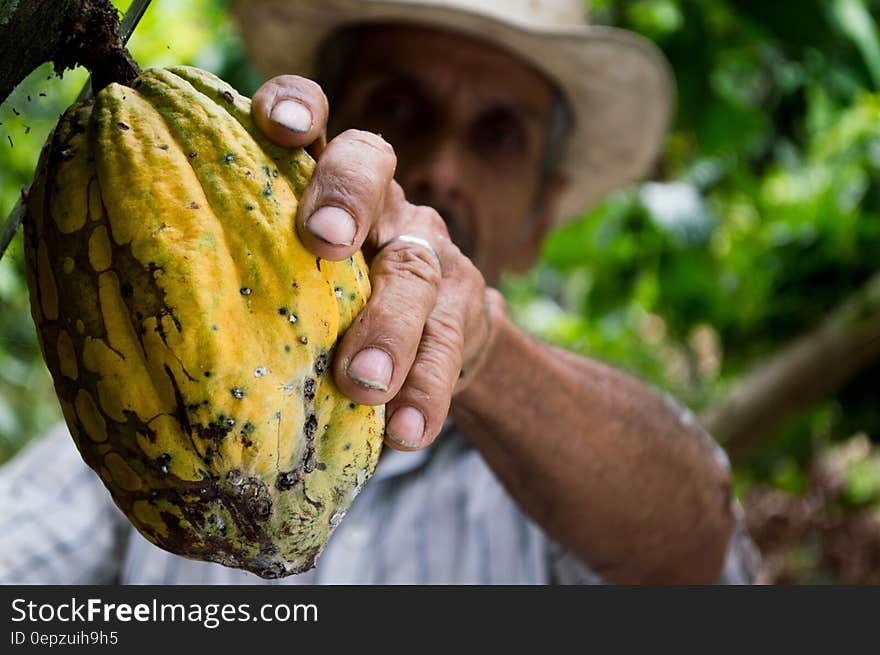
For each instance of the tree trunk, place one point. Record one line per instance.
(811, 368)
(66, 32)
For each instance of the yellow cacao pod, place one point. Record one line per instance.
(187, 329)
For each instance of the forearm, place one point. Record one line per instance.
(607, 466)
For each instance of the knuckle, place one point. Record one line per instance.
(444, 336)
(370, 140)
(389, 313)
(430, 219)
(401, 260)
(294, 84)
(352, 185)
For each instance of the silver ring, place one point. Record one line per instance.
(418, 241)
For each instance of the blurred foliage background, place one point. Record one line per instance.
(763, 216)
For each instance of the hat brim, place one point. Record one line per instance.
(618, 84)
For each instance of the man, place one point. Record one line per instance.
(509, 460)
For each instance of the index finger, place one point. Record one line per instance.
(291, 111)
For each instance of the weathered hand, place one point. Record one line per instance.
(427, 320)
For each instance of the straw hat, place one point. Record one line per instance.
(618, 84)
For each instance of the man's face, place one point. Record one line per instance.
(468, 123)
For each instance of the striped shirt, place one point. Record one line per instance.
(435, 516)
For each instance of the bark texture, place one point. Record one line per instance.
(66, 32)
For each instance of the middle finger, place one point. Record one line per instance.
(346, 194)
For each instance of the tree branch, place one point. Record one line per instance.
(809, 369)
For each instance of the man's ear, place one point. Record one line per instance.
(539, 223)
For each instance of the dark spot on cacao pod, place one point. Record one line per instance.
(193, 155)
(267, 191)
(237, 393)
(230, 422)
(245, 291)
(207, 374)
(228, 97)
(247, 428)
(256, 497)
(352, 297)
(192, 407)
(163, 146)
(122, 126)
(310, 427)
(321, 466)
(229, 158)
(318, 262)
(309, 389)
(214, 328)
(234, 477)
(282, 311)
(351, 405)
(193, 205)
(347, 447)
(273, 571)
(286, 480)
(275, 173)
(249, 207)
(287, 348)
(303, 339)
(321, 364)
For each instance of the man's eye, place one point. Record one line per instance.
(395, 108)
(500, 135)
(392, 110)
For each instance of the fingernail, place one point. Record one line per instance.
(371, 368)
(406, 427)
(333, 225)
(292, 115)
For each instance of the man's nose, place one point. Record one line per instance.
(434, 176)
(438, 179)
